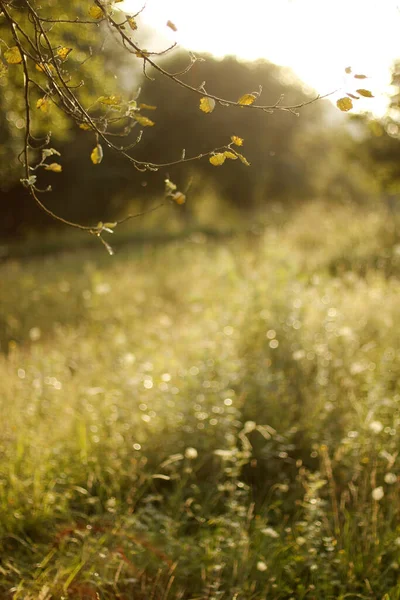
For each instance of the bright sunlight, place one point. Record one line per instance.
(317, 39)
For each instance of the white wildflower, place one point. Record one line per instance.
(390, 478)
(261, 566)
(375, 426)
(378, 493)
(191, 453)
(268, 531)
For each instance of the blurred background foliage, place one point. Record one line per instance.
(318, 155)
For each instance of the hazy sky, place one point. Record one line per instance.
(317, 38)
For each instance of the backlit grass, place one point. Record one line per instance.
(205, 419)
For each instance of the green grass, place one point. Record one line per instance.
(205, 419)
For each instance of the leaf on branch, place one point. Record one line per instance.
(54, 167)
(142, 53)
(178, 197)
(217, 159)
(64, 52)
(44, 105)
(97, 155)
(207, 105)
(143, 121)
(230, 155)
(147, 107)
(110, 100)
(13, 56)
(344, 104)
(85, 126)
(30, 181)
(243, 159)
(95, 12)
(358, 76)
(170, 187)
(238, 141)
(365, 93)
(3, 70)
(172, 25)
(132, 23)
(46, 152)
(45, 68)
(247, 99)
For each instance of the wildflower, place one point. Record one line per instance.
(301, 540)
(268, 531)
(261, 566)
(375, 426)
(390, 478)
(378, 493)
(191, 453)
(35, 334)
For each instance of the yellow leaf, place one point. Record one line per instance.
(132, 23)
(344, 104)
(172, 26)
(144, 121)
(358, 76)
(13, 56)
(217, 159)
(63, 52)
(43, 104)
(238, 141)
(110, 100)
(247, 99)
(142, 53)
(147, 107)
(85, 126)
(179, 198)
(95, 12)
(365, 93)
(243, 159)
(230, 155)
(207, 105)
(46, 68)
(55, 167)
(3, 70)
(348, 70)
(97, 155)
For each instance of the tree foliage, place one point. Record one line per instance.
(52, 59)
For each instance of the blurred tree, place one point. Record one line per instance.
(53, 68)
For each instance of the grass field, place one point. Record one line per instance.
(205, 419)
